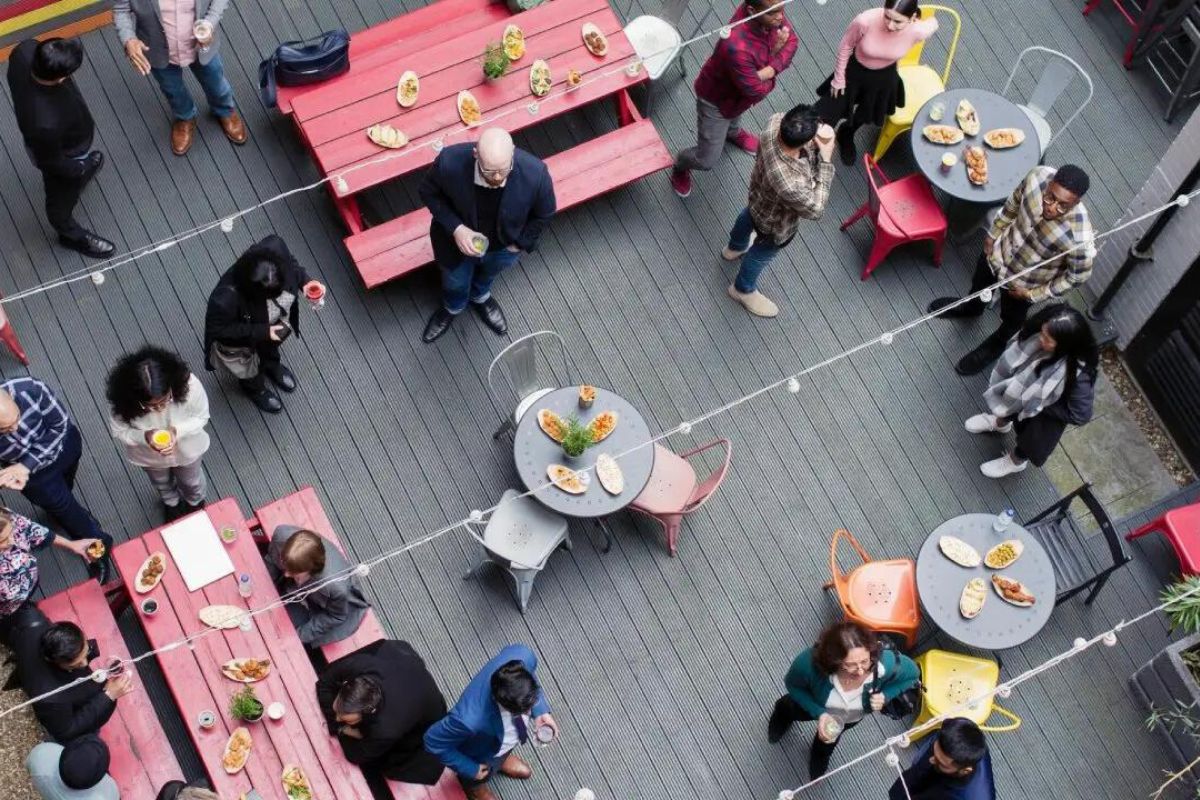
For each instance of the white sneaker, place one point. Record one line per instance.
(1002, 466)
(986, 423)
(755, 302)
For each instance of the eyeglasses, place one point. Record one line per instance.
(1050, 199)
(495, 174)
(158, 404)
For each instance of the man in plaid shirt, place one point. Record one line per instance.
(790, 181)
(40, 450)
(740, 72)
(1041, 220)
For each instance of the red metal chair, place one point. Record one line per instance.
(672, 491)
(902, 211)
(10, 338)
(1182, 529)
(1132, 15)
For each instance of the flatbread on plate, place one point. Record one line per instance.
(226, 617)
(407, 89)
(608, 471)
(237, 751)
(959, 551)
(973, 596)
(566, 479)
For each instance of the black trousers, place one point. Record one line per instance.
(268, 353)
(820, 752)
(1013, 310)
(62, 195)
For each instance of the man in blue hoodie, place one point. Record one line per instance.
(955, 765)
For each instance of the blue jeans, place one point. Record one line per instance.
(472, 278)
(758, 256)
(51, 489)
(212, 80)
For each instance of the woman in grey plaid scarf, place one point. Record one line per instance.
(1044, 380)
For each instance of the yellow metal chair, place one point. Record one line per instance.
(921, 82)
(952, 679)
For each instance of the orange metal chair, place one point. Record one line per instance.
(879, 595)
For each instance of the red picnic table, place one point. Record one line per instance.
(195, 680)
(333, 117)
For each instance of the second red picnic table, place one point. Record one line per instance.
(193, 671)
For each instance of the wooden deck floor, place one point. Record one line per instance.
(662, 671)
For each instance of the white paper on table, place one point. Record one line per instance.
(197, 551)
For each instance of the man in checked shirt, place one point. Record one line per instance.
(40, 450)
(740, 72)
(1043, 221)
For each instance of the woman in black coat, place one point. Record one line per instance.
(253, 309)
(1044, 380)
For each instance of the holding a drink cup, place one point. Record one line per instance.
(203, 32)
(314, 291)
(846, 675)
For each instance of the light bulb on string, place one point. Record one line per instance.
(532, 108)
(98, 278)
(887, 338)
(1183, 200)
(1003, 692)
(227, 225)
(585, 794)
(362, 570)
(793, 385)
(1080, 643)
(1109, 639)
(685, 428)
(986, 295)
(726, 32)
(904, 740)
(100, 675)
(633, 69)
(787, 794)
(475, 516)
(436, 145)
(891, 759)
(341, 184)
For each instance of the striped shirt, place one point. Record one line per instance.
(1024, 238)
(38, 438)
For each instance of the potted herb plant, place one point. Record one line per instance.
(576, 438)
(245, 705)
(1169, 684)
(495, 61)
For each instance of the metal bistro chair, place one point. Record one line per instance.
(1057, 75)
(1181, 526)
(673, 491)
(1076, 564)
(658, 41)
(951, 680)
(879, 595)
(520, 537)
(519, 365)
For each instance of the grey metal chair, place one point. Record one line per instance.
(522, 369)
(520, 537)
(1057, 76)
(1077, 563)
(658, 39)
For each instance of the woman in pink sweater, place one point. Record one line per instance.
(865, 86)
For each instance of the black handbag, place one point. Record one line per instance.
(303, 62)
(905, 704)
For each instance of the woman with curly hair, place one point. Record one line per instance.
(846, 675)
(158, 411)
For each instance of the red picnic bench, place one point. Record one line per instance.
(303, 508)
(333, 117)
(405, 34)
(141, 757)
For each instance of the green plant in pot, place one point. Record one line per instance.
(576, 438)
(495, 61)
(1182, 601)
(245, 705)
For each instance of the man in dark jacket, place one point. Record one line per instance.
(490, 203)
(955, 765)
(379, 701)
(253, 308)
(58, 130)
(49, 657)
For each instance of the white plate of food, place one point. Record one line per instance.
(151, 572)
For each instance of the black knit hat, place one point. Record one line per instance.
(84, 762)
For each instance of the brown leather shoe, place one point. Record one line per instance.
(480, 792)
(234, 127)
(181, 135)
(514, 767)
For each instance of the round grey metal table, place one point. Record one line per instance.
(534, 451)
(1000, 625)
(1006, 168)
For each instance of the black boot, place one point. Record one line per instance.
(982, 357)
(971, 308)
(438, 324)
(845, 140)
(263, 396)
(782, 717)
(280, 375)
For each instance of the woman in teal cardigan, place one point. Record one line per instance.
(838, 681)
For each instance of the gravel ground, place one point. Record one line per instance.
(19, 733)
(1114, 367)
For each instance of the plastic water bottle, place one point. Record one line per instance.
(1003, 520)
(244, 587)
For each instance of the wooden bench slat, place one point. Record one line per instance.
(385, 41)
(141, 756)
(387, 251)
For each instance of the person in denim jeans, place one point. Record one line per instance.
(161, 37)
(490, 203)
(790, 181)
